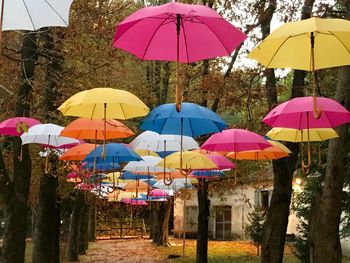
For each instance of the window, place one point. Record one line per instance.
(262, 198)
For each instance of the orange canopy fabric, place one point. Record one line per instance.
(84, 128)
(139, 185)
(78, 153)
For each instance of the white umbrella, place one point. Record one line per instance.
(175, 185)
(149, 165)
(47, 134)
(34, 14)
(156, 142)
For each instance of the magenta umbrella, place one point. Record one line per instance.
(177, 32)
(222, 162)
(235, 140)
(158, 193)
(16, 126)
(297, 113)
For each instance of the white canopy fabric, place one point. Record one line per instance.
(47, 134)
(176, 184)
(35, 14)
(149, 164)
(153, 141)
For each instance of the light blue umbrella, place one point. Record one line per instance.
(102, 166)
(133, 176)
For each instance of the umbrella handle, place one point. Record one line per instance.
(319, 154)
(306, 167)
(104, 131)
(20, 157)
(167, 181)
(46, 164)
(110, 189)
(178, 98)
(317, 112)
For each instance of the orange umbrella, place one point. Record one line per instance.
(276, 151)
(77, 153)
(84, 128)
(136, 186)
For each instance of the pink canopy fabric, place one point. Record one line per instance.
(222, 162)
(235, 140)
(158, 193)
(134, 202)
(9, 127)
(151, 33)
(298, 114)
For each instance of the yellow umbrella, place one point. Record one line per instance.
(295, 135)
(190, 161)
(104, 103)
(146, 153)
(309, 44)
(276, 151)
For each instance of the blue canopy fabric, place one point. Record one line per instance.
(115, 153)
(133, 176)
(102, 166)
(197, 120)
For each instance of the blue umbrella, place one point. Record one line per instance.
(207, 173)
(115, 153)
(132, 176)
(195, 120)
(102, 166)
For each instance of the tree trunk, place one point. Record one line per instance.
(164, 233)
(326, 207)
(92, 220)
(73, 251)
(45, 230)
(154, 222)
(83, 227)
(161, 212)
(276, 223)
(203, 221)
(17, 189)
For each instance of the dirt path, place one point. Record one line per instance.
(126, 251)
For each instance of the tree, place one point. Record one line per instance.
(326, 208)
(254, 227)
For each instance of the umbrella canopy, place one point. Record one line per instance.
(115, 153)
(150, 140)
(16, 126)
(77, 153)
(148, 165)
(190, 161)
(152, 33)
(134, 176)
(221, 161)
(146, 153)
(295, 135)
(101, 166)
(35, 14)
(84, 128)
(139, 185)
(175, 185)
(297, 113)
(101, 103)
(236, 140)
(275, 151)
(47, 134)
(158, 193)
(194, 119)
(290, 45)
(206, 174)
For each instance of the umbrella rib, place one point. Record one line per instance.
(30, 17)
(280, 46)
(228, 53)
(341, 42)
(93, 111)
(53, 9)
(154, 33)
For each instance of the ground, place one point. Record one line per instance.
(143, 251)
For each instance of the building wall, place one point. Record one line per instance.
(241, 200)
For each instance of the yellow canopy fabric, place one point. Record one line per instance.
(294, 135)
(146, 153)
(190, 161)
(289, 46)
(276, 151)
(117, 196)
(119, 104)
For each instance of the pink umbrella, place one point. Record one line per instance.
(235, 140)
(158, 193)
(16, 126)
(222, 162)
(177, 32)
(138, 202)
(298, 114)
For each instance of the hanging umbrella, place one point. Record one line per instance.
(138, 186)
(176, 184)
(148, 165)
(309, 44)
(235, 140)
(153, 141)
(295, 135)
(115, 153)
(106, 103)
(46, 134)
(16, 126)
(176, 32)
(158, 193)
(101, 166)
(297, 114)
(78, 152)
(275, 151)
(145, 152)
(134, 176)
(206, 174)
(193, 120)
(84, 128)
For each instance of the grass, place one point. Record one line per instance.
(219, 252)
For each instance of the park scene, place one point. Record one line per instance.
(184, 131)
